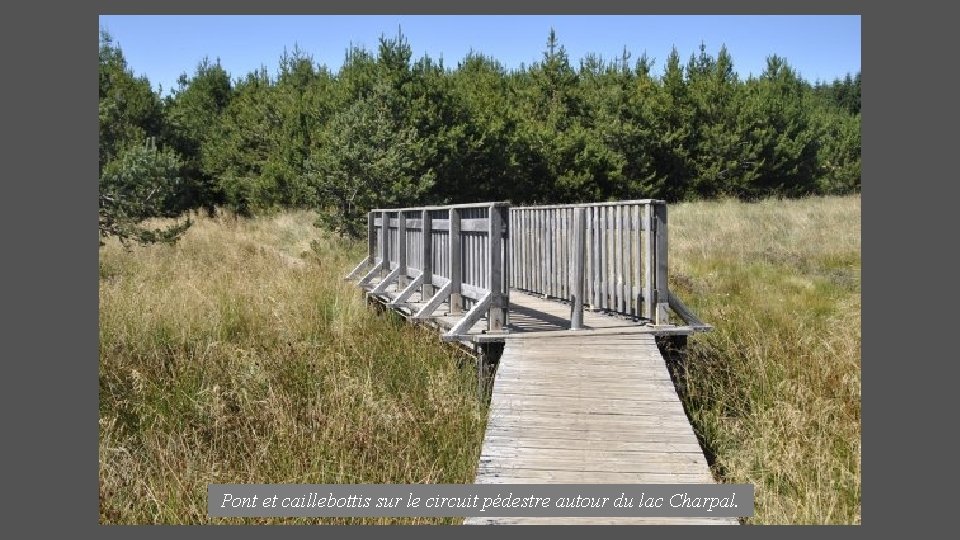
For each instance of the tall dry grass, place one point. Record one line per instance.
(240, 355)
(774, 390)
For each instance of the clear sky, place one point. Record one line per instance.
(821, 47)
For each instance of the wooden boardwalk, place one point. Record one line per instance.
(588, 409)
(531, 315)
(581, 394)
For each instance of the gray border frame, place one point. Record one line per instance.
(52, 340)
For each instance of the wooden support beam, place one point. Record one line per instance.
(437, 299)
(402, 249)
(371, 239)
(427, 254)
(356, 271)
(382, 286)
(662, 312)
(688, 317)
(577, 285)
(460, 330)
(456, 262)
(409, 290)
(497, 316)
(649, 260)
(385, 240)
(369, 276)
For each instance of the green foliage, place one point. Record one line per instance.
(128, 108)
(387, 129)
(139, 184)
(192, 117)
(367, 160)
(137, 181)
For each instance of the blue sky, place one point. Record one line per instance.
(821, 47)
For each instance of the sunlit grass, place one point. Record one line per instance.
(240, 355)
(775, 389)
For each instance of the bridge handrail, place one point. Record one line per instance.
(610, 256)
(446, 254)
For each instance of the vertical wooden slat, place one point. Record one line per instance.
(662, 295)
(595, 269)
(541, 254)
(506, 263)
(518, 232)
(385, 246)
(496, 315)
(371, 238)
(548, 253)
(624, 260)
(562, 246)
(648, 261)
(426, 230)
(455, 257)
(577, 283)
(637, 262)
(567, 249)
(612, 262)
(604, 257)
(588, 247)
(402, 249)
(620, 258)
(525, 232)
(557, 252)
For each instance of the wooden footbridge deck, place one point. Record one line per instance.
(576, 296)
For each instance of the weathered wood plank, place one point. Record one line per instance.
(455, 260)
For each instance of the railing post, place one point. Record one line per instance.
(371, 238)
(497, 312)
(662, 296)
(456, 260)
(402, 249)
(649, 262)
(576, 277)
(426, 228)
(385, 244)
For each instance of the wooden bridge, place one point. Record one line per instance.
(566, 304)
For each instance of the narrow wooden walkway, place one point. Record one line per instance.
(588, 409)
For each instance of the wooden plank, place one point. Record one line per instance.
(391, 277)
(434, 302)
(661, 315)
(474, 225)
(494, 441)
(577, 277)
(407, 292)
(550, 245)
(371, 238)
(385, 241)
(648, 263)
(685, 313)
(497, 312)
(455, 261)
(586, 460)
(468, 320)
(637, 242)
(402, 244)
(426, 222)
(620, 256)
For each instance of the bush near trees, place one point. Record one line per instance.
(391, 130)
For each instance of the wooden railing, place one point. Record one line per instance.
(610, 257)
(450, 255)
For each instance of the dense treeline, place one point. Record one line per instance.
(388, 130)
